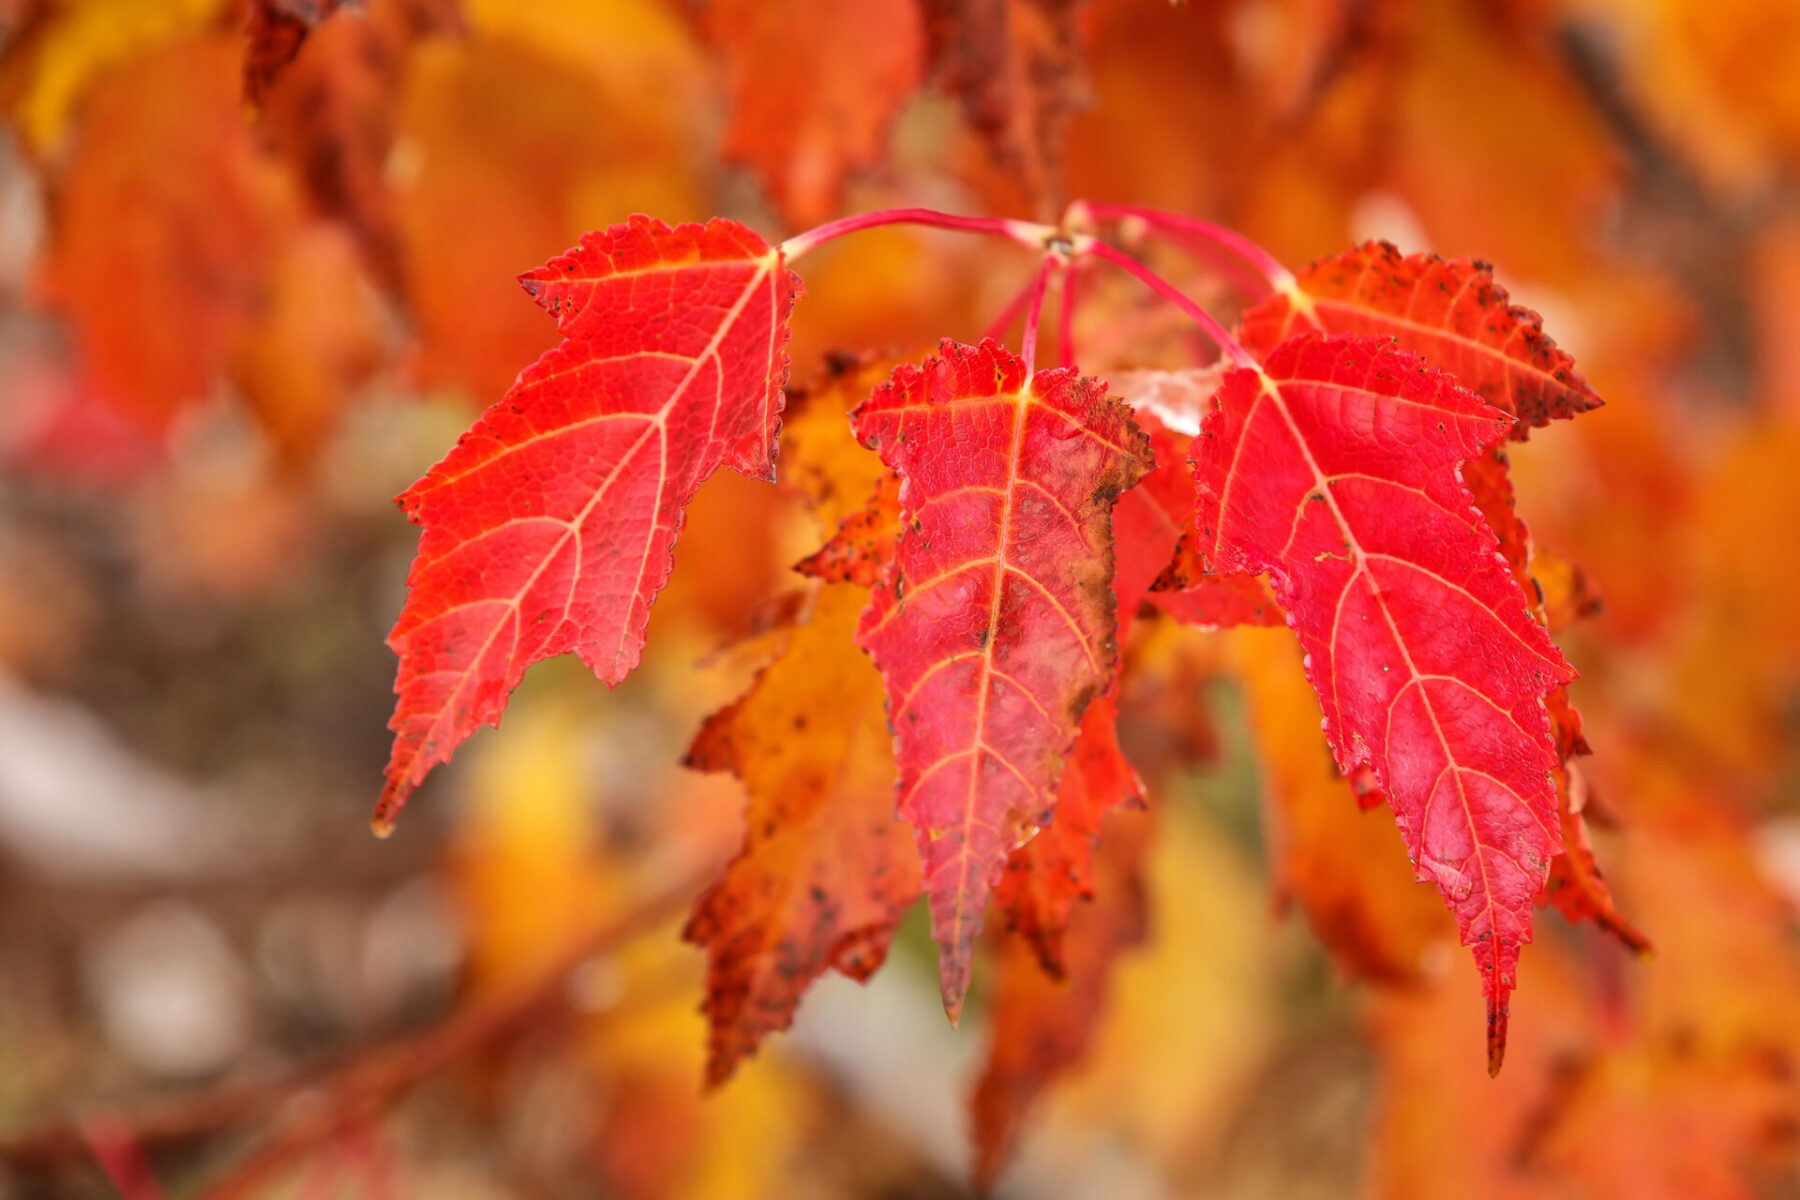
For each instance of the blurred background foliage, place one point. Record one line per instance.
(232, 327)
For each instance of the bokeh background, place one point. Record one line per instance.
(234, 323)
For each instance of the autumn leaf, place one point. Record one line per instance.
(853, 497)
(1453, 313)
(531, 127)
(57, 54)
(826, 871)
(191, 250)
(549, 527)
(1015, 67)
(315, 339)
(993, 626)
(820, 456)
(331, 115)
(1425, 656)
(863, 543)
(1152, 517)
(1153, 526)
(862, 61)
(1047, 875)
(1576, 886)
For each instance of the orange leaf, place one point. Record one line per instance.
(1014, 65)
(331, 115)
(275, 31)
(1575, 885)
(509, 149)
(826, 871)
(855, 499)
(316, 338)
(813, 89)
(189, 252)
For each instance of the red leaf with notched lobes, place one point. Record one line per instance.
(1334, 470)
(1454, 314)
(1449, 310)
(549, 527)
(994, 624)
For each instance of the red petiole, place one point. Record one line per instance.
(1060, 253)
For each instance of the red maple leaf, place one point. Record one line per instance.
(1453, 313)
(1335, 470)
(550, 525)
(994, 624)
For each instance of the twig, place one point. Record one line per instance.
(317, 1105)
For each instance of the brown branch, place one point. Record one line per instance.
(314, 1106)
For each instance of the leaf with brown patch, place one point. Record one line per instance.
(826, 871)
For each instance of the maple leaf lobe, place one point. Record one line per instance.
(1451, 310)
(994, 625)
(550, 525)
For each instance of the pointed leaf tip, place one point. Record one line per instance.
(1496, 1039)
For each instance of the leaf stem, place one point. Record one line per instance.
(1026, 233)
(353, 1092)
(1034, 313)
(1065, 325)
(1229, 346)
(1265, 264)
(1003, 321)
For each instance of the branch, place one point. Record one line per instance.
(317, 1105)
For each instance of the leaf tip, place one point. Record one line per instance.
(953, 983)
(1496, 1039)
(387, 808)
(721, 1065)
